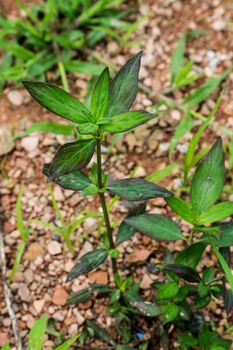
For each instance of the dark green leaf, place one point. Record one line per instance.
(123, 327)
(201, 302)
(168, 290)
(100, 333)
(80, 296)
(87, 263)
(170, 312)
(126, 231)
(181, 208)
(146, 308)
(123, 87)
(59, 102)
(228, 299)
(137, 189)
(125, 121)
(227, 234)
(156, 226)
(71, 157)
(208, 274)
(208, 180)
(100, 95)
(216, 213)
(75, 181)
(202, 93)
(191, 255)
(185, 272)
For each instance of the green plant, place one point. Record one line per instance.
(65, 229)
(36, 335)
(109, 112)
(54, 36)
(24, 233)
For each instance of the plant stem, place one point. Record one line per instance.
(104, 207)
(63, 76)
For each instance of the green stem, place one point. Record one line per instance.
(63, 76)
(104, 207)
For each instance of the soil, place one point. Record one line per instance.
(39, 285)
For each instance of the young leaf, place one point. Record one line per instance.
(208, 180)
(168, 290)
(159, 175)
(181, 208)
(126, 231)
(184, 126)
(123, 87)
(71, 157)
(178, 60)
(75, 181)
(87, 128)
(137, 189)
(87, 263)
(170, 312)
(191, 255)
(185, 272)
(100, 95)
(216, 213)
(226, 239)
(156, 226)
(202, 93)
(67, 344)
(59, 102)
(36, 335)
(147, 309)
(101, 333)
(126, 121)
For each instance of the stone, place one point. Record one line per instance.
(140, 172)
(163, 149)
(57, 192)
(60, 296)
(99, 277)
(3, 338)
(219, 25)
(73, 329)
(54, 248)
(6, 140)
(15, 97)
(30, 143)
(24, 293)
(139, 255)
(87, 247)
(33, 251)
(38, 305)
(80, 319)
(28, 276)
(90, 224)
(146, 282)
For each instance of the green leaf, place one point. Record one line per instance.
(100, 95)
(126, 231)
(80, 296)
(87, 263)
(75, 181)
(202, 93)
(191, 255)
(6, 346)
(181, 208)
(208, 275)
(66, 345)
(178, 59)
(226, 234)
(168, 290)
(218, 212)
(36, 335)
(196, 137)
(184, 126)
(170, 312)
(19, 217)
(71, 157)
(101, 333)
(87, 128)
(123, 87)
(59, 102)
(125, 121)
(156, 226)
(19, 254)
(146, 308)
(208, 180)
(159, 175)
(48, 127)
(137, 189)
(185, 272)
